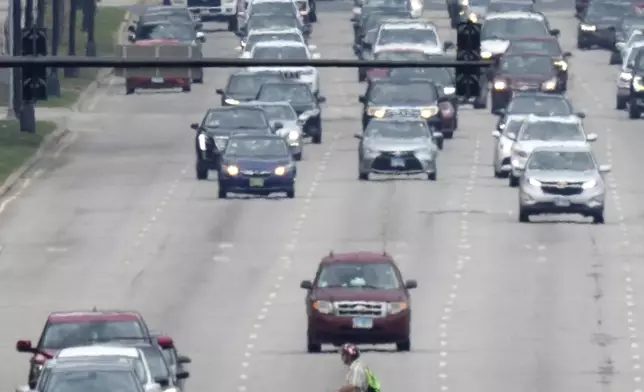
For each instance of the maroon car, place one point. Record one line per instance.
(358, 298)
(521, 73)
(147, 82)
(80, 328)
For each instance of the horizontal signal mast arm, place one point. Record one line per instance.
(117, 62)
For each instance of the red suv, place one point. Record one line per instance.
(358, 298)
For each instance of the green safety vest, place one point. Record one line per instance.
(372, 382)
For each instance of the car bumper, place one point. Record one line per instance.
(339, 329)
(503, 164)
(244, 184)
(637, 99)
(383, 165)
(153, 83)
(536, 201)
(602, 38)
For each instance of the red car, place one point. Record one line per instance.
(80, 328)
(358, 298)
(149, 82)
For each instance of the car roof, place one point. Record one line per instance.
(525, 54)
(157, 8)
(231, 108)
(357, 257)
(571, 119)
(408, 24)
(266, 103)
(98, 315)
(420, 48)
(98, 351)
(539, 94)
(397, 119)
(515, 15)
(270, 1)
(402, 81)
(273, 30)
(279, 44)
(284, 82)
(544, 38)
(98, 365)
(256, 136)
(577, 147)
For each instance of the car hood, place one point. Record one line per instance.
(257, 164)
(288, 126)
(494, 46)
(354, 294)
(391, 144)
(226, 132)
(530, 145)
(562, 176)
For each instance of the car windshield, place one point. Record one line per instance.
(608, 12)
(399, 55)
(166, 31)
(397, 130)
(271, 22)
(77, 380)
(512, 126)
(407, 36)
(561, 160)
(280, 53)
(273, 7)
(280, 112)
(401, 94)
(504, 29)
(156, 362)
(359, 276)
(238, 118)
(632, 55)
(546, 106)
(550, 130)
(249, 84)
(440, 76)
(548, 47)
(62, 335)
(293, 93)
(137, 364)
(267, 148)
(385, 3)
(255, 38)
(179, 16)
(509, 7)
(526, 65)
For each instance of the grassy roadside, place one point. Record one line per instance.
(108, 20)
(16, 147)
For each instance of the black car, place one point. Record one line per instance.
(545, 46)
(403, 98)
(243, 86)
(305, 103)
(218, 125)
(273, 21)
(542, 104)
(636, 96)
(500, 6)
(597, 25)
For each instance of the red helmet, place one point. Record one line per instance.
(350, 350)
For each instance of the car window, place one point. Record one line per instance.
(550, 130)
(561, 160)
(63, 335)
(404, 93)
(92, 380)
(157, 364)
(359, 276)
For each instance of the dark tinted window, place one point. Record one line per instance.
(271, 22)
(553, 106)
(504, 29)
(403, 93)
(63, 335)
(264, 147)
(166, 31)
(240, 118)
(608, 12)
(397, 129)
(249, 84)
(293, 93)
(156, 362)
(276, 8)
(549, 47)
(364, 276)
(526, 65)
(441, 76)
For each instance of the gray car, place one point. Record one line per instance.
(291, 131)
(563, 180)
(398, 146)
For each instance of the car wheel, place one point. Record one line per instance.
(480, 102)
(598, 218)
(448, 134)
(317, 136)
(290, 193)
(129, 90)
(198, 81)
(581, 45)
(404, 345)
(202, 172)
(186, 89)
(524, 217)
(313, 347)
(313, 16)
(497, 173)
(361, 76)
(620, 103)
(513, 180)
(233, 23)
(439, 143)
(432, 176)
(363, 176)
(223, 192)
(298, 156)
(633, 111)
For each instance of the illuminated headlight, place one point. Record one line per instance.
(589, 184)
(626, 76)
(324, 307)
(465, 3)
(379, 113)
(396, 307)
(638, 84)
(534, 182)
(585, 27)
(500, 85)
(486, 55)
(231, 101)
(550, 85)
(202, 140)
(280, 170)
(232, 170)
(293, 136)
(429, 112)
(473, 18)
(449, 90)
(562, 65)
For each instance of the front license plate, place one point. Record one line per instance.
(397, 162)
(362, 323)
(256, 182)
(157, 80)
(562, 202)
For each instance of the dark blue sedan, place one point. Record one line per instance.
(257, 165)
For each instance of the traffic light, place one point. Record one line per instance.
(34, 78)
(468, 48)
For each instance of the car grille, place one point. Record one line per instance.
(525, 86)
(360, 308)
(403, 112)
(383, 162)
(256, 173)
(562, 188)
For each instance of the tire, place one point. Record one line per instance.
(513, 181)
(633, 111)
(201, 172)
(620, 103)
(582, 45)
(313, 16)
(439, 143)
(317, 137)
(448, 134)
(524, 217)
(233, 24)
(598, 218)
(186, 89)
(198, 81)
(129, 90)
(480, 102)
(361, 76)
(313, 347)
(432, 176)
(363, 176)
(614, 59)
(223, 192)
(298, 156)
(497, 173)
(404, 345)
(290, 193)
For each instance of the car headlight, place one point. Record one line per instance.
(534, 182)
(379, 113)
(585, 27)
(626, 76)
(202, 140)
(562, 65)
(486, 55)
(519, 153)
(371, 151)
(473, 18)
(325, 307)
(638, 84)
(293, 136)
(396, 307)
(449, 90)
(231, 101)
(429, 112)
(280, 170)
(423, 152)
(232, 170)
(589, 184)
(550, 85)
(465, 3)
(500, 85)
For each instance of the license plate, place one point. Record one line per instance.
(157, 80)
(256, 182)
(362, 323)
(397, 162)
(562, 202)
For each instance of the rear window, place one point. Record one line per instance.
(62, 335)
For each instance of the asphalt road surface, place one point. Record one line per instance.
(117, 219)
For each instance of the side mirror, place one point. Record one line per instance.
(24, 346)
(567, 54)
(24, 388)
(357, 49)
(278, 125)
(163, 382)
(358, 136)
(165, 342)
(520, 166)
(184, 359)
(220, 91)
(131, 29)
(591, 137)
(362, 99)
(411, 284)
(605, 168)
(438, 135)
(555, 32)
(511, 135)
(448, 45)
(367, 45)
(182, 375)
(496, 134)
(581, 114)
(195, 126)
(443, 99)
(306, 285)
(321, 99)
(131, 38)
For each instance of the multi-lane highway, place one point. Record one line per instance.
(117, 219)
